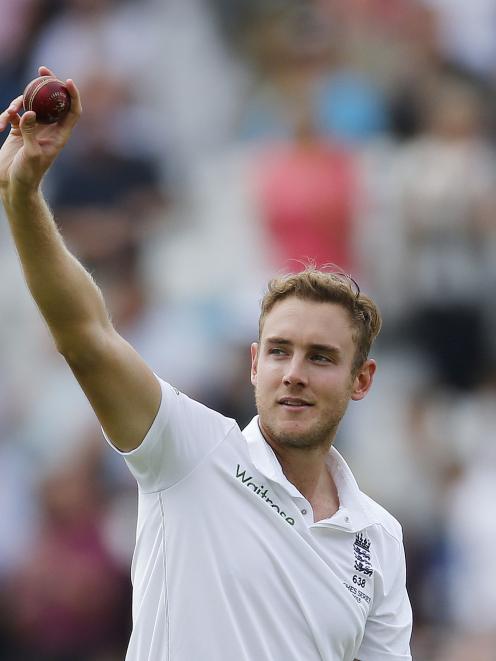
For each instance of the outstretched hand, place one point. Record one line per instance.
(31, 148)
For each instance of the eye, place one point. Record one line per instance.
(276, 351)
(320, 358)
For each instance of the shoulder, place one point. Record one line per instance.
(189, 410)
(383, 520)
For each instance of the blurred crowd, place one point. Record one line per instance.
(223, 141)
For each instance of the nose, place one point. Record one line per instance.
(295, 374)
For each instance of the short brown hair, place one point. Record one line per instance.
(326, 286)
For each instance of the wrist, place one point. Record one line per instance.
(20, 194)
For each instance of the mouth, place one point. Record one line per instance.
(294, 403)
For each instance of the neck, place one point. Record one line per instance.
(306, 468)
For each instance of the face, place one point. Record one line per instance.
(302, 373)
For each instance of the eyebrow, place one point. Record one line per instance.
(325, 348)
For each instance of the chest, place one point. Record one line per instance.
(261, 539)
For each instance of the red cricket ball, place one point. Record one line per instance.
(48, 97)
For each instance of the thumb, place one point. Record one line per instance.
(27, 126)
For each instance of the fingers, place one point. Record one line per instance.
(72, 117)
(14, 119)
(4, 119)
(27, 126)
(11, 115)
(45, 71)
(16, 104)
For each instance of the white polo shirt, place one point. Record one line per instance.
(230, 566)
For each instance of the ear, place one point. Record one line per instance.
(254, 362)
(363, 380)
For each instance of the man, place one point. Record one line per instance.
(250, 547)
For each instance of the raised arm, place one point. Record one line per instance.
(121, 388)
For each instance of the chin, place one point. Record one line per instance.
(292, 434)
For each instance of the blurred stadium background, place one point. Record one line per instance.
(222, 139)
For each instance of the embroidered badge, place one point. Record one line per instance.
(361, 547)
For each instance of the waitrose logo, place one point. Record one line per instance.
(261, 491)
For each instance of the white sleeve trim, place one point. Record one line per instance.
(382, 656)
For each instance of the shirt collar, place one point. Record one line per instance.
(350, 496)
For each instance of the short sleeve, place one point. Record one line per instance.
(389, 624)
(182, 434)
